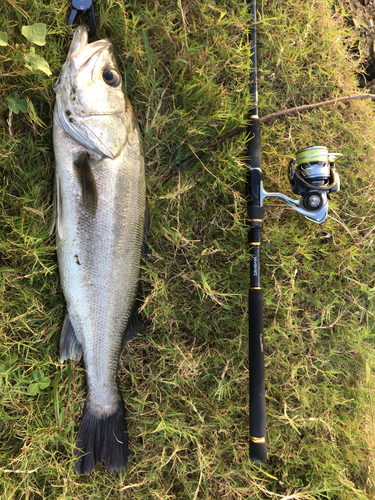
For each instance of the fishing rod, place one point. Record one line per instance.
(313, 177)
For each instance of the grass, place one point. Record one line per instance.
(185, 378)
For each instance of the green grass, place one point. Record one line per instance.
(185, 378)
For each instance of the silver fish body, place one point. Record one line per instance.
(100, 198)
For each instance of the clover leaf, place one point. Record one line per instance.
(40, 382)
(16, 104)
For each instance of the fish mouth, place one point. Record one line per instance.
(80, 38)
(81, 51)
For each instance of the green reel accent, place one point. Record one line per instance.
(315, 154)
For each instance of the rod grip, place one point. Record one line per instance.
(258, 445)
(254, 148)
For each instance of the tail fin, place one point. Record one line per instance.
(102, 437)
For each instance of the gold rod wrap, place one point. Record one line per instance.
(258, 440)
(255, 287)
(254, 220)
(256, 244)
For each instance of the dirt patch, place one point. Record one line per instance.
(361, 15)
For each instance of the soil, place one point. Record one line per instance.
(361, 15)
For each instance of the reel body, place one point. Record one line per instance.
(313, 177)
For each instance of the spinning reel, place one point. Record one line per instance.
(313, 177)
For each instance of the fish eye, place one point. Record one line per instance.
(111, 77)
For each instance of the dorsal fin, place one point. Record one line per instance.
(135, 322)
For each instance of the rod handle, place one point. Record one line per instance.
(254, 147)
(258, 444)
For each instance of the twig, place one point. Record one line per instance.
(316, 105)
(20, 8)
(20, 471)
(239, 130)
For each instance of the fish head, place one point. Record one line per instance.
(91, 105)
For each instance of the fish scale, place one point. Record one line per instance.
(100, 218)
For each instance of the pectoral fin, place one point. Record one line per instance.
(87, 183)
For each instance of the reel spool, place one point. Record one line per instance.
(313, 177)
(312, 173)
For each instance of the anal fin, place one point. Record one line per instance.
(70, 347)
(135, 323)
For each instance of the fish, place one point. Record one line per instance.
(99, 219)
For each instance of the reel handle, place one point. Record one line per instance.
(258, 445)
